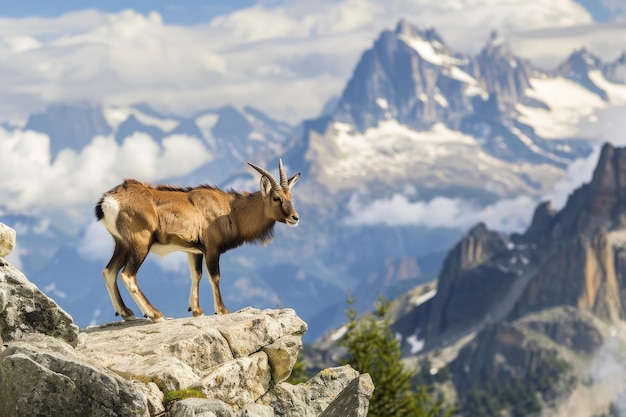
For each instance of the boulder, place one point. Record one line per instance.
(199, 407)
(7, 240)
(312, 397)
(44, 376)
(353, 401)
(282, 356)
(240, 381)
(25, 309)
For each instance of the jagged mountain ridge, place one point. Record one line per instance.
(411, 95)
(564, 258)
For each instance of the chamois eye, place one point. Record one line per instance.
(277, 199)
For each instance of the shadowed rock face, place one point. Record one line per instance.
(238, 361)
(470, 284)
(510, 351)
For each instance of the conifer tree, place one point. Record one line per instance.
(373, 348)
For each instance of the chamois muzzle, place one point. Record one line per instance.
(292, 220)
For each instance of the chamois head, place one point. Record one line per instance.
(277, 195)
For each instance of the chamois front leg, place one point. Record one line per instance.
(195, 266)
(213, 268)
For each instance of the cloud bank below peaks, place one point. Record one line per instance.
(507, 215)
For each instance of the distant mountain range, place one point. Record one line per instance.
(417, 125)
(528, 323)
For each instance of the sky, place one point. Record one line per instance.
(286, 58)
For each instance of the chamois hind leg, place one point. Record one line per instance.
(213, 268)
(195, 267)
(136, 257)
(118, 260)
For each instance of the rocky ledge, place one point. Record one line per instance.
(238, 363)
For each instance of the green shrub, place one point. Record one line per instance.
(373, 349)
(177, 395)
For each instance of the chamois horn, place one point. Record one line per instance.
(283, 174)
(267, 175)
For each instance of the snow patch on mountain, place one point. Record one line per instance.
(395, 155)
(391, 146)
(117, 115)
(568, 103)
(616, 92)
(428, 52)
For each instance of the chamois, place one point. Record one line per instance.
(202, 221)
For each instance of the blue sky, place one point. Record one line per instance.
(175, 12)
(195, 12)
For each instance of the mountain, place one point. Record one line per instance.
(510, 307)
(415, 112)
(69, 125)
(231, 135)
(421, 139)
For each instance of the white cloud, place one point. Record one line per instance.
(32, 182)
(96, 244)
(286, 58)
(509, 215)
(578, 173)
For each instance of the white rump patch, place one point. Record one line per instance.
(111, 209)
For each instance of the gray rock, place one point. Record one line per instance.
(200, 407)
(25, 309)
(248, 330)
(240, 381)
(42, 376)
(192, 341)
(7, 240)
(282, 356)
(354, 400)
(312, 397)
(255, 410)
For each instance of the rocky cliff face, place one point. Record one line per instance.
(501, 73)
(522, 303)
(599, 204)
(238, 362)
(565, 258)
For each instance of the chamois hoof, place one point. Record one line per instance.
(130, 318)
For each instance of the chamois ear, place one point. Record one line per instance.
(293, 180)
(266, 186)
